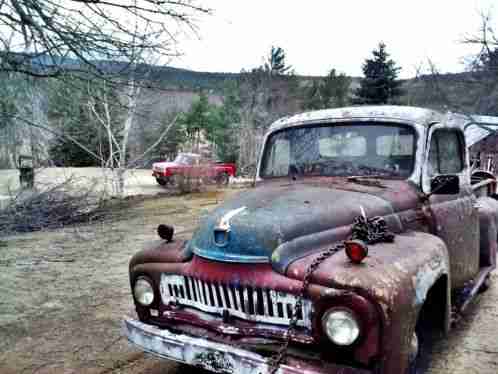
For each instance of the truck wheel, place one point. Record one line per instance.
(421, 348)
(419, 362)
(222, 179)
(161, 181)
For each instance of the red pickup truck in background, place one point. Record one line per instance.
(192, 165)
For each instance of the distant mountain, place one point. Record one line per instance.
(442, 91)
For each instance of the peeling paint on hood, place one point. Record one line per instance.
(268, 217)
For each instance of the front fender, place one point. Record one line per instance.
(395, 276)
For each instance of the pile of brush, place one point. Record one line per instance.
(51, 208)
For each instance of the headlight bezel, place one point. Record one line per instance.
(150, 284)
(354, 317)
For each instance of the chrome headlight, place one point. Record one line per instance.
(341, 326)
(143, 291)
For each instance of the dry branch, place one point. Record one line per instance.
(52, 208)
(44, 38)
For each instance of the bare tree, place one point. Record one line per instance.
(112, 40)
(484, 65)
(44, 38)
(118, 160)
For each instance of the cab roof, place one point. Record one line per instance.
(396, 113)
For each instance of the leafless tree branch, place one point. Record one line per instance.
(43, 38)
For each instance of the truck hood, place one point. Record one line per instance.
(269, 222)
(163, 165)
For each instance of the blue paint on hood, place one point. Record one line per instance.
(262, 219)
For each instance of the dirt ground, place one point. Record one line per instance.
(64, 293)
(137, 181)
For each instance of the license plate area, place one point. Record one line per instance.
(216, 361)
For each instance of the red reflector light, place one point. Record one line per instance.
(356, 250)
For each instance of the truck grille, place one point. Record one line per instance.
(248, 303)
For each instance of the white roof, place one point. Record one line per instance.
(476, 127)
(393, 112)
(479, 128)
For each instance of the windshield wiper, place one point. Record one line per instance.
(367, 180)
(293, 171)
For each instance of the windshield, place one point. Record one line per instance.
(357, 149)
(184, 159)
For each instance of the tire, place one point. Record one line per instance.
(222, 179)
(161, 182)
(414, 361)
(425, 335)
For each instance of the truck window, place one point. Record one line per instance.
(395, 145)
(348, 144)
(279, 159)
(445, 154)
(355, 148)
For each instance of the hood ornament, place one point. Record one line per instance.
(222, 230)
(364, 215)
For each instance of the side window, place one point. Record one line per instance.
(279, 158)
(445, 154)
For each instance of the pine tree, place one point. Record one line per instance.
(331, 91)
(276, 64)
(196, 120)
(225, 132)
(313, 97)
(380, 84)
(335, 91)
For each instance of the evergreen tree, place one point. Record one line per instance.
(196, 120)
(336, 90)
(380, 84)
(313, 96)
(225, 130)
(275, 63)
(169, 147)
(331, 91)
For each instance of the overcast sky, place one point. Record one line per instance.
(318, 35)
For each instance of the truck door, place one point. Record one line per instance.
(455, 217)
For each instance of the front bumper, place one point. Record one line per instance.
(217, 357)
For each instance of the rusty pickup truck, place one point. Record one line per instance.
(366, 227)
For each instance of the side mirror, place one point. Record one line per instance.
(445, 185)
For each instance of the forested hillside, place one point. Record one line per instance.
(44, 118)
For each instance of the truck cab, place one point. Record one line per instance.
(276, 266)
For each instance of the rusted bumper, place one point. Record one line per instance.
(217, 357)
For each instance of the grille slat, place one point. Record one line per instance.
(284, 308)
(273, 298)
(233, 297)
(248, 303)
(264, 294)
(201, 291)
(194, 290)
(216, 301)
(244, 300)
(221, 291)
(189, 290)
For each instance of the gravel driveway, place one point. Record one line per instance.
(64, 292)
